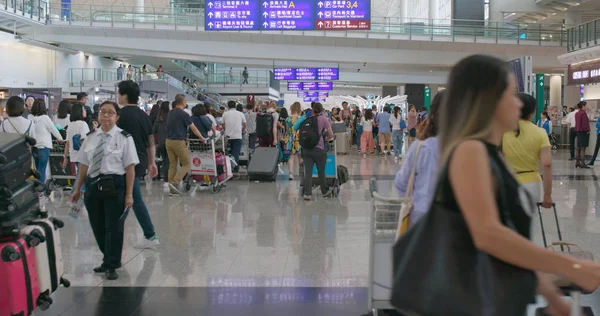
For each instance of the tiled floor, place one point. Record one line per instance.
(259, 249)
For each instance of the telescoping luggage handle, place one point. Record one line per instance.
(539, 206)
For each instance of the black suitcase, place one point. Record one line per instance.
(19, 206)
(15, 160)
(263, 166)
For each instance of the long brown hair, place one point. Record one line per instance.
(475, 86)
(429, 127)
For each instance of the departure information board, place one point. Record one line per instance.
(310, 86)
(252, 15)
(306, 73)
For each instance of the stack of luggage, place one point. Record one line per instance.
(31, 266)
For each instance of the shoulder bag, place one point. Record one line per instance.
(438, 270)
(407, 204)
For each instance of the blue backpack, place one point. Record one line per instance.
(77, 141)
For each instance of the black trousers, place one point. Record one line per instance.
(595, 151)
(310, 157)
(104, 217)
(164, 167)
(572, 137)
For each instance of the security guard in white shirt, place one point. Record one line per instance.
(107, 159)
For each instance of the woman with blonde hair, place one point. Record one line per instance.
(478, 225)
(293, 145)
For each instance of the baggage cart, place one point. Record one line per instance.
(331, 170)
(382, 237)
(209, 164)
(60, 177)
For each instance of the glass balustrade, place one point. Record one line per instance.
(583, 36)
(422, 29)
(33, 9)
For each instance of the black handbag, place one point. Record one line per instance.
(438, 270)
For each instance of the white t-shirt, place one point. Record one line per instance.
(188, 111)
(367, 125)
(571, 118)
(64, 122)
(18, 125)
(44, 129)
(233, 120)
(395, 122)
(212, 119)
(77, 127)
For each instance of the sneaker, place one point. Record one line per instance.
(329, 193)
(147, 243)
(111, 274)
(307, 198)
(364, 155)
(174, 190)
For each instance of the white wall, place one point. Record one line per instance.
(30, 66)
(592, 92)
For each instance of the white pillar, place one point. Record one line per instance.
(572, 96)
(572, 18)
(139, 6)
(555, 90)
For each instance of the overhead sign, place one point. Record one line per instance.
(315, 99)
(584, 73)
(308, 94)
(306, 73)
(344, 15)
(249, 15)
(310, 86)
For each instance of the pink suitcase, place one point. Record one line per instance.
(18, 276)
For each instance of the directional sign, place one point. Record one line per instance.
(288, 14)
(294, 86)
(306, 73)
(310, 86)
(343, 15)
(233, 15)
(325, 85)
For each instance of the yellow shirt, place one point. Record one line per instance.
(522, 153)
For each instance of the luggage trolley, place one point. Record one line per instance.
(209, 164)
(382, 237)
(331, 170)
(60, 177)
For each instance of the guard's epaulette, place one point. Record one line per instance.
(91, 132)
(125, 133)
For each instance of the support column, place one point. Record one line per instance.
(414, 92)
(555, 91)
(572, 95)
(139, 6)
(572, 18)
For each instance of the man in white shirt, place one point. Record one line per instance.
(572, 135)
(234, 124)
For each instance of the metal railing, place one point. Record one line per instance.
(415, 28)
(77, 75)
(583, 36)
(33, 9)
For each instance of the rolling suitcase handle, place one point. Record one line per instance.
(539, 206)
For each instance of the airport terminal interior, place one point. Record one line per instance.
(259, 246)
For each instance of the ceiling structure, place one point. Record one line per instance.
(554, 12)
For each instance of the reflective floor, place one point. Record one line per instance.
(259, 249)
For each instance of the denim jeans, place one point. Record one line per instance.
(358, 135)
(236, 148)
(141, 211)
(42, 162)
(397, 138)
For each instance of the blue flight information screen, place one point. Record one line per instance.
(281, 15)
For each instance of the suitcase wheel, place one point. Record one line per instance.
(5, 192)
(43, 303)
(10, 254)
(34, 238)
(36, 174)
(215, 188)
(2, 159)
(65, 282)
(57, 223)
